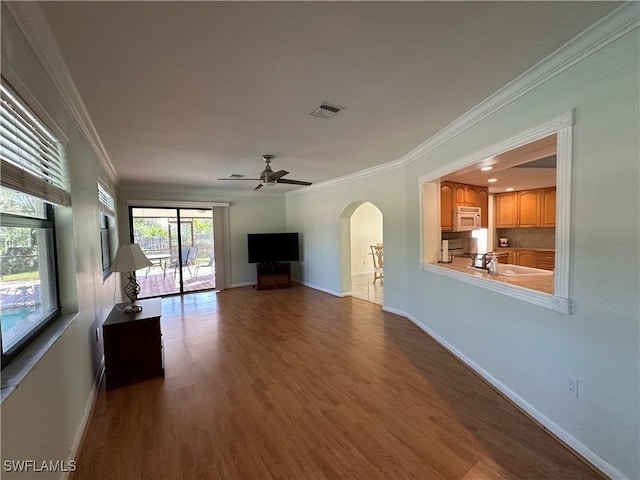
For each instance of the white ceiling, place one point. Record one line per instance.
(181, 93)
(523, 168)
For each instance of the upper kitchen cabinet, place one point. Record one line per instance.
(548, 207)
(527, 208)
(458, 194)
(507, 210)
(482, 201)
(446, 206)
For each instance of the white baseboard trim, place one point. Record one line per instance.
(86, 418)
(316, 287)
(553, 429)
(239, 285)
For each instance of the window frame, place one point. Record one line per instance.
(106, 221)
(560, 300)
(38, 182)
(12, 220)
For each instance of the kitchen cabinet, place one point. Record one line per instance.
(482, 201)
(526, 208)
(528, 257)
(529, 208)
(509, 258)
(548, 207)
(458, 194)
(446, 206)
(507, 210)
(546, 260)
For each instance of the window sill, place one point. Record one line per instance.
(19, 368)
(483, 280)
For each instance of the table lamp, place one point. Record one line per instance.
(130, 258)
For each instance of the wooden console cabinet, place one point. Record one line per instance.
(133, 344)
(273, 275)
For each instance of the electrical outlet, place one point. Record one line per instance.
(97, 334)
(573, 387)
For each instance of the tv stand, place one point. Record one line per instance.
(273, 275)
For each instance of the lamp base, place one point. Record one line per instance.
(133, 309)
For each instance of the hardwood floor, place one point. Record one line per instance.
(298, 384)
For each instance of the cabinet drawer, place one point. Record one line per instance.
(545, 260)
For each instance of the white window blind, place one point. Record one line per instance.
(32, 160)
(106, 203)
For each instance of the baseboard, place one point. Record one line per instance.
(86, 418)
(593, 460)
(324, 290)
(239, 285)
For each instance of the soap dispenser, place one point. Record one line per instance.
(493, 265)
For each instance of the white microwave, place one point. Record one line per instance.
(466, 219)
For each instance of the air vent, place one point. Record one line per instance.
(325, 111)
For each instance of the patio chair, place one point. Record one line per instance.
(210, 264)
(184, 257)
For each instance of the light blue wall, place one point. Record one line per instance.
(316, 215)
(248, 213)
(530, 350)
(42, 419)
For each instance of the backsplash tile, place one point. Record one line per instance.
(528, 237)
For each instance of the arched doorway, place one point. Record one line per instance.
(361, 226)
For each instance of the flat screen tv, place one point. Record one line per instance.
(273, 247)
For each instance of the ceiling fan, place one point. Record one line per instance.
(268, 176)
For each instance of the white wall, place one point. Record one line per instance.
(248, 213)
(529, 350)
(366, 230)
(43, 417)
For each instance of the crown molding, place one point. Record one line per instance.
(368, 172)
(618, 23)
(31, 21)
(33, 25)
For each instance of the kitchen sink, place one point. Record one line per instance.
(509, 270)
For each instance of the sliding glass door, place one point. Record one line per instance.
(179, 243)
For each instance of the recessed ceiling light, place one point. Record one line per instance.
(487, 168)
(492, 180)
(510, 189)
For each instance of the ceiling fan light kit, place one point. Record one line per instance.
(267, 177)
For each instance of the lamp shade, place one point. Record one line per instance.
(130, 258)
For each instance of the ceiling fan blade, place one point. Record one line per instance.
(252, 179)
(293, 182)
(278, 174)
(260, 185)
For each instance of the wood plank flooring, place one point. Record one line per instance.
(298, 384)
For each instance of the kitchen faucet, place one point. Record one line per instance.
(486, 260)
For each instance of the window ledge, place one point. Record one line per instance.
(22, 364)
(545, 300)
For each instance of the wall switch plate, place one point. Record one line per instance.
(573, 387)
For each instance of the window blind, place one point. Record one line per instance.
(31, 157)
(106, 203)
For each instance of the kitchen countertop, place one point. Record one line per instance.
(506, 249)
(541, 283)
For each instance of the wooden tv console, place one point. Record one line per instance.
(273, 275)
